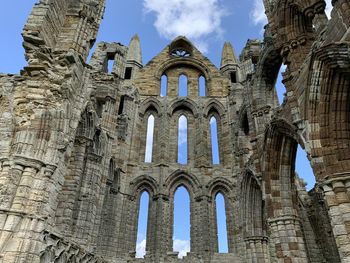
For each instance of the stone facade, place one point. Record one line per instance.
(73, 140)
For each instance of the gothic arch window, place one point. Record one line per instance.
(214, 141)
(163, 85)
(202, 86)
(182, 225)
(182, 142)
(149, 139)
(183, 85)
(142, 225)
(221, 223)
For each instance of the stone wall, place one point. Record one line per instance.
(72, 154)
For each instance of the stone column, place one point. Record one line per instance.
(337, 196)
(257, 249)
(160, 236)
(201, 236)
(287, 236)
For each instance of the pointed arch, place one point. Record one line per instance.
(182, 220)
(280, 191)
(225, 188)
(221, 223)
(181, 177)
(143, 183)
(150, 104)
(142, 224)
(214, 105)
(183, 104)
(88, 122)
(253, 207)
(215, 140)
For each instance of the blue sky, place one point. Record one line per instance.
(207, 23)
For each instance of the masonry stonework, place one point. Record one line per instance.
(73, 142)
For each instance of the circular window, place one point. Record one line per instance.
(180, 53)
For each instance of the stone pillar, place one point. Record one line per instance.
(257, 249)
(337, 192)
(203, 157)
(159, 235)
(201, 236)
(287, 237)
(87, 206)
(9, 180)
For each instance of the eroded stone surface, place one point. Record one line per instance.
(73, 139)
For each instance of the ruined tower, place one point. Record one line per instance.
(75, 155)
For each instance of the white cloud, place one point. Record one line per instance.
(141, 249)
(149, 140)
(196, 19)
(258, 13)
(182, 246)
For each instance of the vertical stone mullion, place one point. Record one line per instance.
(337, 198)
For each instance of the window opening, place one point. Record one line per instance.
(182, 225)
(163, 86)
(202, 86)
(183, 82)
(182, 140)
(304, 169)
(142, 225)
(280, 88)
(221, 223)
(110, 64)
(149, 139)
(214, 140)
(128, 73)
(233, 75)
(121, 105)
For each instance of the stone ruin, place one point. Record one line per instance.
(73, 141)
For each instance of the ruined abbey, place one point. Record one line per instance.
(74, 135)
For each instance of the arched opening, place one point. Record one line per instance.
(245, 124)
(221, 223)
(163, 85)
(183, 83)
(280, 88)
(121, 105)
(214, 140)
(304, 169)
(182, 151)
(182, 225)
(110, 63)
(128, 73)
(142, 225)
(233, 77)
(149, 139)
(202, 86)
